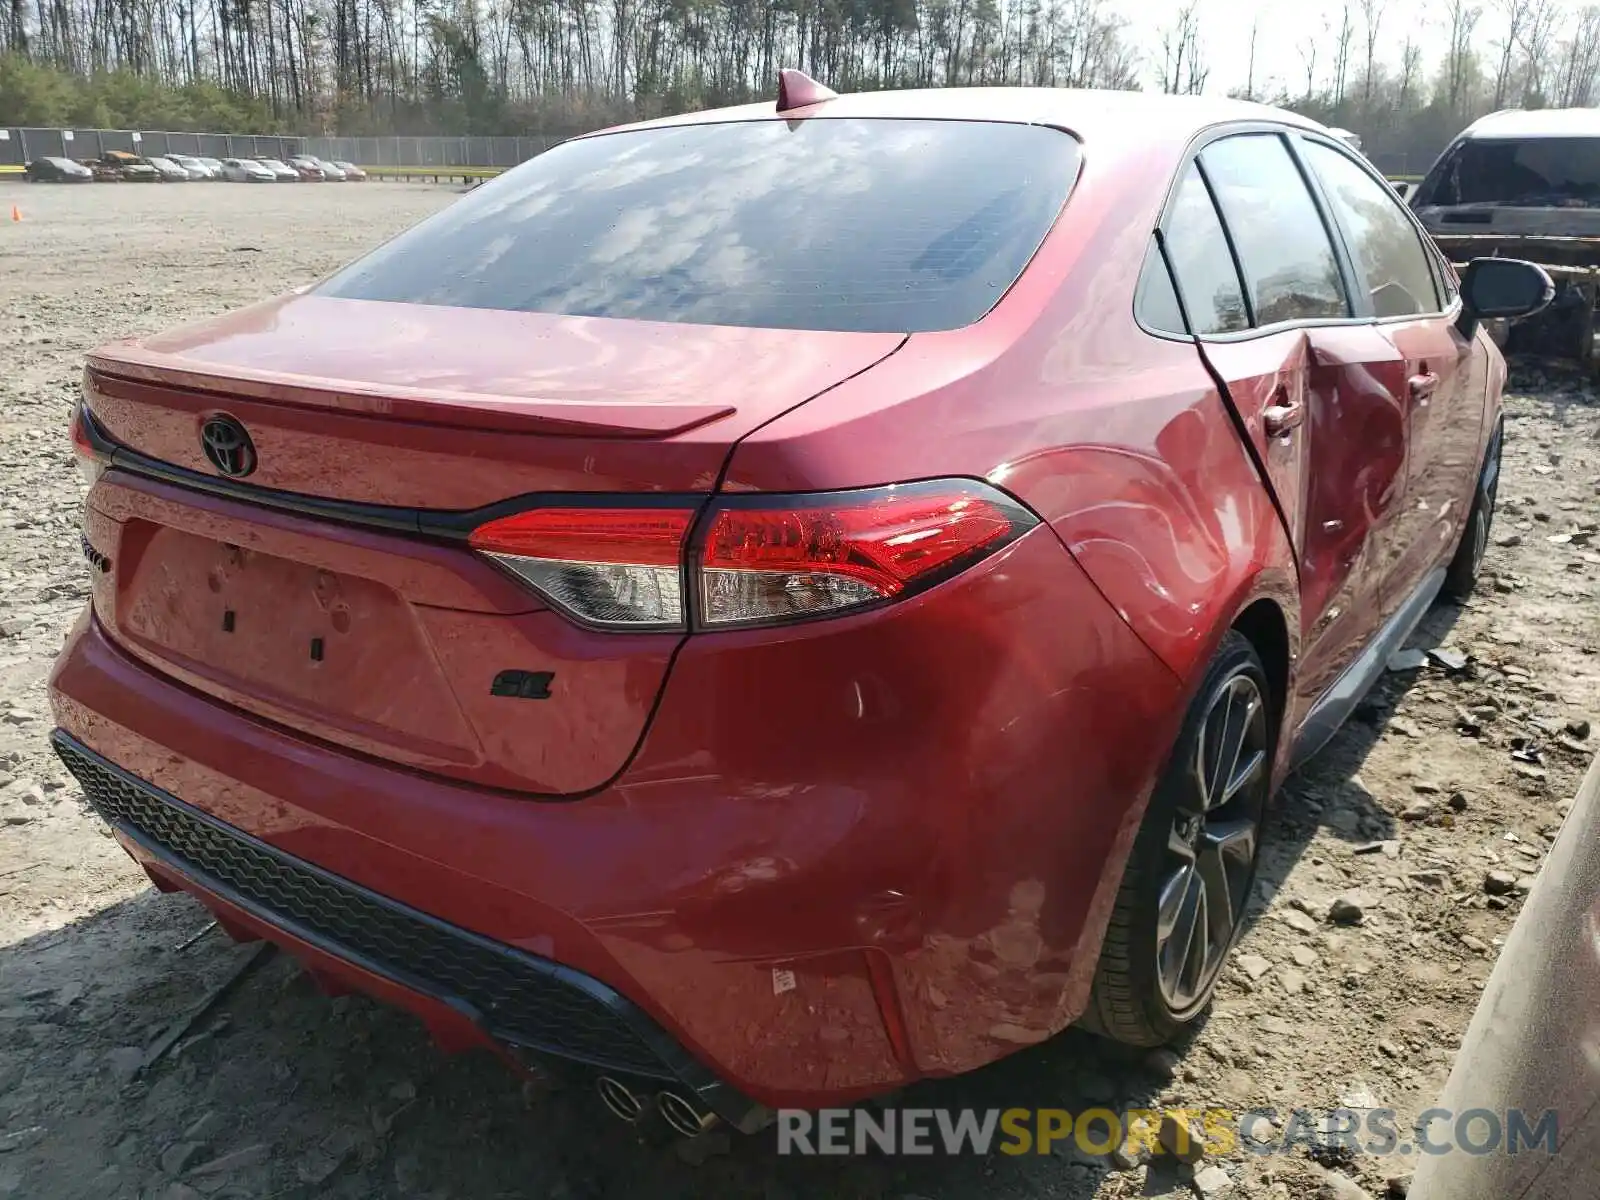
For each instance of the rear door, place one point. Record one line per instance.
(1444, 407)
(1311, 383)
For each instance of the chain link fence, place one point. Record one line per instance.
(429, 151)
(21, 146)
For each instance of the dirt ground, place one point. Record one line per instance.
(282, 1092)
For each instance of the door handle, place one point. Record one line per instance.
(1422, 386)
(1280, 420)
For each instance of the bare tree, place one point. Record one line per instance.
(1516, 13)
(1410, 71)
(1461, 22)
(1580, 61)
(1372, 17)
(1538, 35)
(1341, 62)
(1310, 50)
(1250, 75)
(1183, 70)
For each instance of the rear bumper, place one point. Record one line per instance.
(468, 988)
(847, 855)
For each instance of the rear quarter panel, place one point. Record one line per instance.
(1118, 439)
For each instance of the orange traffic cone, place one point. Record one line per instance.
(16, 213)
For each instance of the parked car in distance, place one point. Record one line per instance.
(102, 171)
(308, 168)
(57, 170)
(169, 171)
(885, 669)
(131, 167)
(248, 170)
(213, 164)
(351, 172)
(1527, 185)
(280, 170)
(196, 169)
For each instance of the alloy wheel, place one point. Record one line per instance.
(1211, 848)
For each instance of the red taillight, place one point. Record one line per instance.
(776, 558)
(762, 558)
(91, 464)
(620, 568)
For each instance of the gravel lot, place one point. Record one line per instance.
(282, 1092)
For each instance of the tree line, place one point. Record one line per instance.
(555, 67)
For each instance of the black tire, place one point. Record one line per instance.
(1144, 991)
(1462, 575)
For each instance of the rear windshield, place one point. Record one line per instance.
(848, 224)
(1536, 172)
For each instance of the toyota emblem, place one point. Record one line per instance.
(228, 446)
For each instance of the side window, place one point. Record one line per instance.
(1155, 302)
(1387, 249)
(1283, 245)
(1212, 293)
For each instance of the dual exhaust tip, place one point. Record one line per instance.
(684, 1115)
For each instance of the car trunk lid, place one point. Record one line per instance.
(392, 419)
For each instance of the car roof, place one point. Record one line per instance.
(1545, 122)
(1089, 114)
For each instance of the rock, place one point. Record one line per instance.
(125, 1062)
(1499, 883)
(1163, 1062)
(1184, 1142)
(1578, 727)
(1340, 1187)
(697, 1151)
(1450, 660)
(179, 1155)
(317, 1166)
(1476, 944)
(1253, 965)
(1407, 660)
(1129, 1157)
(1404, 728)
(1527, 771)
(1398, 1187)
(1211, 1181)
(1508, 541)
(1417, 810)
(204, 1128)
(19, 819)
(1391, 1050)
(1292, 981)
(1304, 956)
(1296, 919)
(31, 794)
(1458, 801)
(21, 1139)
(234, 1160)
(1346, 910)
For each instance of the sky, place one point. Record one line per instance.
(1284, 26)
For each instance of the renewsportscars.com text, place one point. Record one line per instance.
(1219, 1131)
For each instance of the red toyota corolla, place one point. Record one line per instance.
(775, 604)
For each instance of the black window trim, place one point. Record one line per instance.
(1430, 249)
(1360, 303)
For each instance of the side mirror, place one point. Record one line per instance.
(1498, 288)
